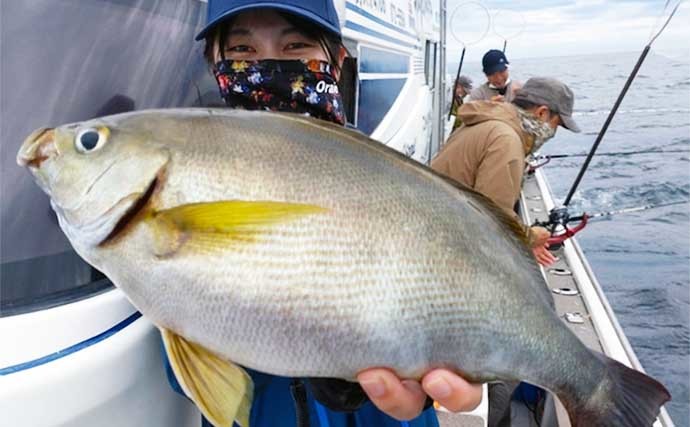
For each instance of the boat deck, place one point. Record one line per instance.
(559, 277)
(578, 301)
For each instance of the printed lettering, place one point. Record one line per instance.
(322, 87)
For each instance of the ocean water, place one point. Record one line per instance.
(642, 259)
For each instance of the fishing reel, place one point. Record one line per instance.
(558, 225)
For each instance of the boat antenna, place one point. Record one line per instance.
(605, 127)
(464, 44)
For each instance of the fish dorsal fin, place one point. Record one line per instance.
(221, 223)
(221, 390)
(517, 229)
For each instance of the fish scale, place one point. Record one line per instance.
(299, 248)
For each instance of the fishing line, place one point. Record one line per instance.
(464, 45)
(630, 210)
(667, 21)
(658, 18)
(615, 153)
(605, 127)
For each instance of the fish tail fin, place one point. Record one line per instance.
(630, 399)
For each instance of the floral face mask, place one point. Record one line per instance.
(299, 86)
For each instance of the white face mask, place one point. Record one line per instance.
(541, 131)
(497, 88)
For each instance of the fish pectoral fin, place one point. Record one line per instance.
(221, 390)
(219, 224)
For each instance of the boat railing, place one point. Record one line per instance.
(611, 336)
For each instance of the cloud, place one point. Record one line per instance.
(541, 28)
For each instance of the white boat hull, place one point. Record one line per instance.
(106, 380)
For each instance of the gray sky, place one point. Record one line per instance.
(544, 28)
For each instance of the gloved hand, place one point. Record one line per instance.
(342, 396)
(337, 395)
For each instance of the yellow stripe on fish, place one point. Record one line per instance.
(220, 224)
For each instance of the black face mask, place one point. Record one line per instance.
(298, 86)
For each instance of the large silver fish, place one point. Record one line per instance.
(298, 248)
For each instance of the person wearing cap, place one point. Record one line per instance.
(286, 56)
(488, 153)
(463, 86)
(499, 86)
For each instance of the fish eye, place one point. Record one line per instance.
(90, 139)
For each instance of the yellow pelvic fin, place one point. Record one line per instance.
(218, 224)
(221, 390)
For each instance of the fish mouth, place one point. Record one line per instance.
(138, 208)
(38, 147)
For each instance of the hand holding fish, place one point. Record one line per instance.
(404, 399)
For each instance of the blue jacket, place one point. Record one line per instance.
(273, 406)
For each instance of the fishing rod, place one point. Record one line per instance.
(613, 111)
(583, 220)
(558, 217)
(457, 78)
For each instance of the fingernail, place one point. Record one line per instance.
(439, 388)
(374, 387)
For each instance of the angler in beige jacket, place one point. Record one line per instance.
(488, 152)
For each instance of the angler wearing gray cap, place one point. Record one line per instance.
(463, 86)
(488, 153)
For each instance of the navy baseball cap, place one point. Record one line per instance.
(494, 61)
(321, 12)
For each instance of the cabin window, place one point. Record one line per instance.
(381, 61)
(375, 99)
(430, 63)
(382, 75)
(38, 267)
